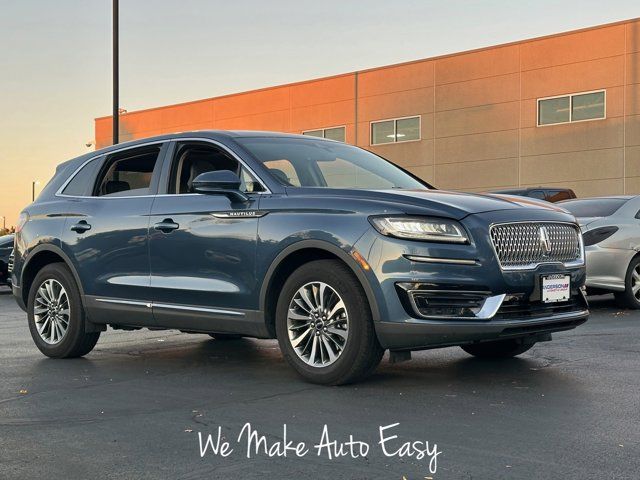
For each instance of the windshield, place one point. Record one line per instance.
(593, 207)
(318, 163)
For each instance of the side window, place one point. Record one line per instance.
(80, 185)
(193, 159)
(537, 194)
(284, 171)
(128, 173)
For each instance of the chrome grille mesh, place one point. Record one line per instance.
(524, 245)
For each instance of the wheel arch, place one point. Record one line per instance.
(293, 257)
(39, 257)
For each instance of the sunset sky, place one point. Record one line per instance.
(55, 57)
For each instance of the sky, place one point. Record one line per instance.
(55, 57)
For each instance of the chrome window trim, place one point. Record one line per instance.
(229, 151)
(84, 164)
(158, 142)
(580, 262)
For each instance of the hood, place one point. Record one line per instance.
(442, 202)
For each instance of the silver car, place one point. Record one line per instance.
(611, 231)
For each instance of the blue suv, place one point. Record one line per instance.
(334, 251)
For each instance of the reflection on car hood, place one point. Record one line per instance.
(450, 203)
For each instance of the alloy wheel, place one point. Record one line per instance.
(317, 324)
(51, 311)
(635, 282)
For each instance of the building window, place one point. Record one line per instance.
(395, 130)
(333, 133)
(576, 107)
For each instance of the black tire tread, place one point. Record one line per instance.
(626, 298)
(81, 342)
(369, 352)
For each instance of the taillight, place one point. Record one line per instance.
(22, 220)
(597, 235)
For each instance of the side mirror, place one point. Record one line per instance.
(219, 182)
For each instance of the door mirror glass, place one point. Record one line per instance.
(220, 182)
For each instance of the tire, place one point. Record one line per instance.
(75, 342)
(498, 349)
(628, 299)
(225, 336)
(348, 333)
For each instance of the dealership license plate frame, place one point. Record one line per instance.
(556, 295)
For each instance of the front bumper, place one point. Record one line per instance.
(506, 322)
(507, 301)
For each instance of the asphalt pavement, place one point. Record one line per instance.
(138, 405)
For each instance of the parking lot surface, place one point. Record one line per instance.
(133, 408)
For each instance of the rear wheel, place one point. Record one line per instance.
(56, 315)
(630, 298)
(498, 349)
(324, 324)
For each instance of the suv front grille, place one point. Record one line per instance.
(528, 244)
(10, 263)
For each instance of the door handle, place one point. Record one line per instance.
(81, 227)
(166, 226)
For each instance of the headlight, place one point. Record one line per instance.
(421, 228)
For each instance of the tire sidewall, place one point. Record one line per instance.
(631, 299)
(357, 310)
(75, 330)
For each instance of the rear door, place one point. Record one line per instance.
(203, 247)
(106, 232)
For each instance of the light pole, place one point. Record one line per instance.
(33, 189)
(116, 81)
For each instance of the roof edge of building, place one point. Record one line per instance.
(384, 67)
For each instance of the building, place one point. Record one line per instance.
(558, 110)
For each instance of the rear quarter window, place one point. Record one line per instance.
(82, 183)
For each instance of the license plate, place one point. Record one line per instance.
(556, 288)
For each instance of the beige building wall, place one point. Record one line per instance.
(478, 113)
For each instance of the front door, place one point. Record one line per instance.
(202, 247)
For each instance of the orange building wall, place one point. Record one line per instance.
(478, 113)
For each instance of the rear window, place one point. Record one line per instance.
(594, 207)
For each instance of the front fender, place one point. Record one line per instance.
(366, 277)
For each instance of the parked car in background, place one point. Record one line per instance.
(549, 194)
(334, 251)
(6, 247)
(611, 232)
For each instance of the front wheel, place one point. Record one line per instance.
(56, 316)
(324, 324)
(630, 298)
(498, 349)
